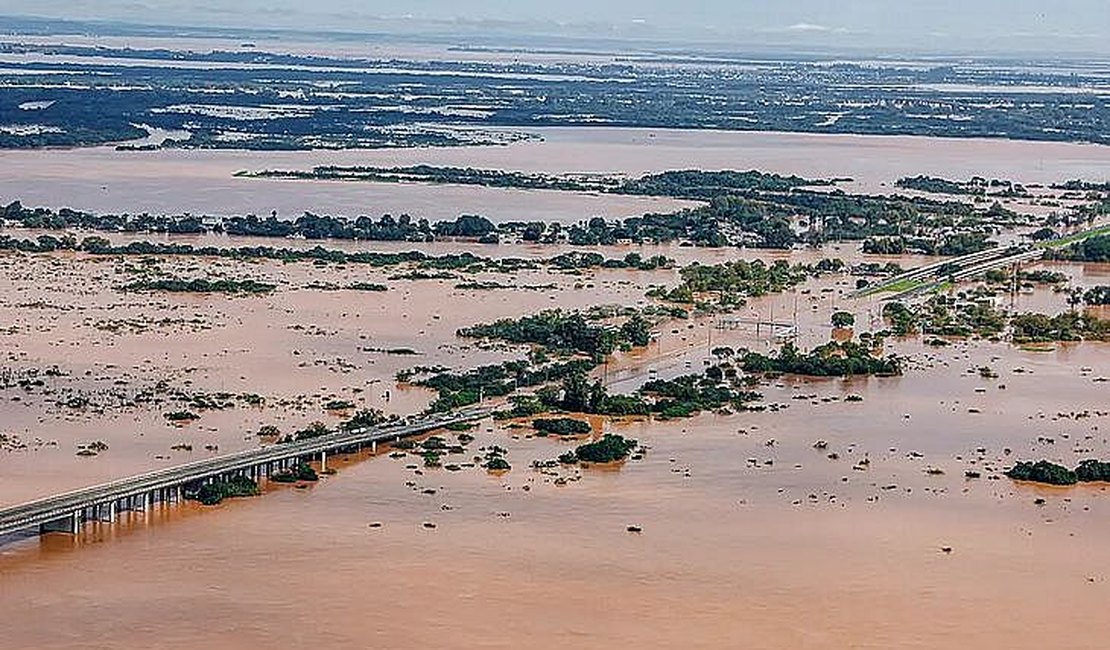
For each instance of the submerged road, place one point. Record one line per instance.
(68, 511)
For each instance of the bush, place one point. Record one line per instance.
(523, 406)
(314, 430)
(1043, 472)
(557, 331)
(210, 494)
(1099, 295)
(618, 405)
(299, 472)
(561, 427)
(498, 464)
(1093, 470)
(829, 360)
(610, 448)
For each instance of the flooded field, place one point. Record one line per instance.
(98, 350)
(878, 521)
(202, 182)
(748, 531)
(173, 182)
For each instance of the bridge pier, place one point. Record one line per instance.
(159, 489)
(106, 511)
(69, 524)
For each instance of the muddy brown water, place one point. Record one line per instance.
(105, 180)
(730, 554)
(750, 536)
(298, 347)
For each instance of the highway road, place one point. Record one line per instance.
(158, 485)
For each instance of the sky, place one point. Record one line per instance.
(1043, 26)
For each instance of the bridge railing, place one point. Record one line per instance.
(236, 461)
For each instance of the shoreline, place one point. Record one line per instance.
(540, 131)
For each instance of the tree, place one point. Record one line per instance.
(636, 331)
(468, 225)
(1096, 249)
(533, 231)
(1099, 295)
(723, 352)
(1044, 234)
(842, 319)
(95, 245)
(1075, 297)
(576, 393)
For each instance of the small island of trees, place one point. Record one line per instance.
(1050, 473)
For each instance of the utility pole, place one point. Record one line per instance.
(795, 310)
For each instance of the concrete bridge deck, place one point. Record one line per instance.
(933, 270)
(929, 277)
(972, 271)
(67, 512)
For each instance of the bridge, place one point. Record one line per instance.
(930, 277)
(925, 278)
(970, 271)
(69, 511)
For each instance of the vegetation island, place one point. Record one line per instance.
(737, 208)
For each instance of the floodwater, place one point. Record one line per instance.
(299, 348)
(174, 181)
(203, 182)
(290, 44)
(750, 537)
(803, 553)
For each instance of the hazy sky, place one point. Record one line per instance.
(1025, 25)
